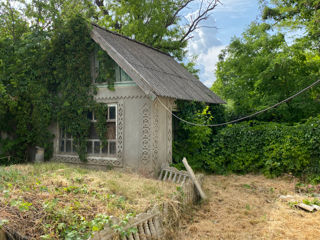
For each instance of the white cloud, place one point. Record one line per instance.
(232, 16)
(203, 39)
(207, 47)
(207, 62)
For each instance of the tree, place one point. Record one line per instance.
(44, 60)
(158, 23)
(261, 69)
(296, 14)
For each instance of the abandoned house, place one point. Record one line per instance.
(139, 127)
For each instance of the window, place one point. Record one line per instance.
(122, 76)
(105, 70)
(94, 145)
(103, 67)
(66, 142)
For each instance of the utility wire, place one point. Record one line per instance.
(239, 119)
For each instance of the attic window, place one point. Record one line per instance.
(122, 76)
(105, 70)
(103, 67)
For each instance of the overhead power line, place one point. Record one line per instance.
(242, 118)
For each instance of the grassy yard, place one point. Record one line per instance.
(250, 207)
(57, 201)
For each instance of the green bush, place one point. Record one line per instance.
(269, 148)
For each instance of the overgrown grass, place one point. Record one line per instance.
(57, 201)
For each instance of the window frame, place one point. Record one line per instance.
(95, 68)
(93, 140)
(65, 138)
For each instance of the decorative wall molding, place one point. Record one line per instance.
(170, 103)
(120, 97)
(155, 134)
(120, 131)
(100, 161)
(146, 135)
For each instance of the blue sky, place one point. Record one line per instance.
(230, 19)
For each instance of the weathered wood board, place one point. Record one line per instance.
(193, 178)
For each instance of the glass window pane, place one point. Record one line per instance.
(92, 132)
(106, 67)
(118, 72)
(89, 115)
(97, 147)
(104, 148)
(61, 145)
(111, 130)
(89, 147)
(112, 112)
(69, 135)
(73, 147)
(62, 133)
(124, 76)
(68, 146)
(112, 149)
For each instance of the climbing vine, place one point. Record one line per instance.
(73, 48)
(47, 77)
(100, 110)
(106, 72)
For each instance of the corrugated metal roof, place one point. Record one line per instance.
(154, 72)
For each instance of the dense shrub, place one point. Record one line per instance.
(270, 148)
(192, 141)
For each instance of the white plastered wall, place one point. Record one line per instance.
(144, 131)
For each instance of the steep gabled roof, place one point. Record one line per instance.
(155, 72)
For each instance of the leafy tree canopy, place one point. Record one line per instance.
(45, 49)
(261, 68)
(296, 14)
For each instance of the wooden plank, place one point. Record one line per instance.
(193, 178)
(305, 207)
(316, 207)
(160, 176)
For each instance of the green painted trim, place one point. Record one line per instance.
(104, 85)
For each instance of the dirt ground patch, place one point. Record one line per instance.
(249, 207)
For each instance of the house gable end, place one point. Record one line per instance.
(123, 63)
(155, 72)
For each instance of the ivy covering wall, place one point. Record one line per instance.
(46, 78)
